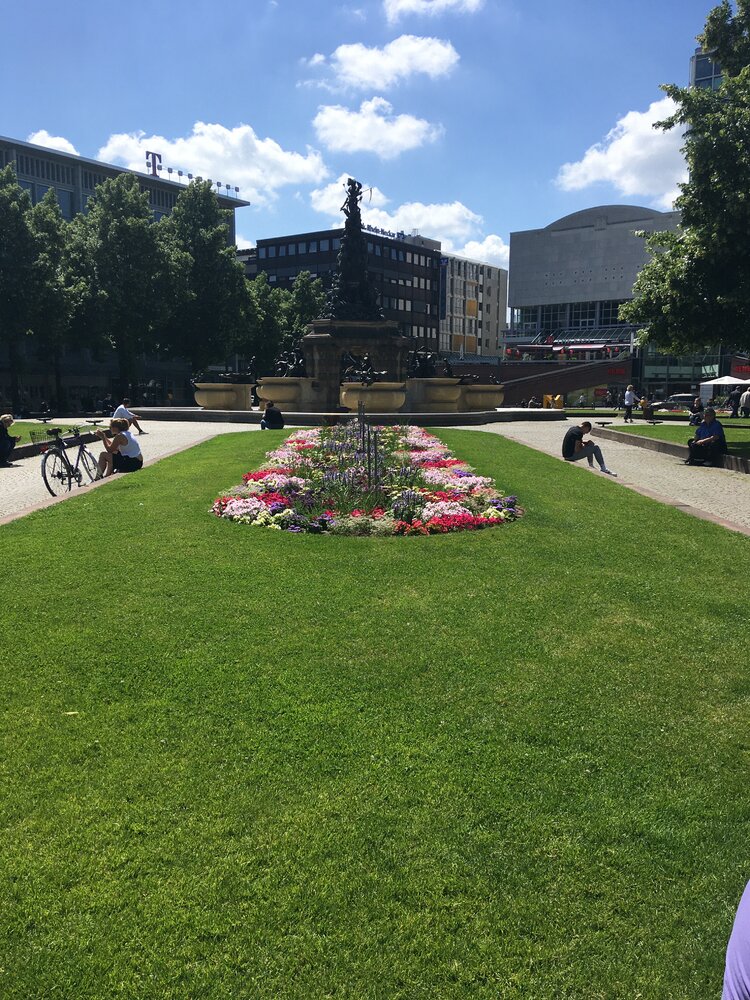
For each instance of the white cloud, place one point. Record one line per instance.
(330, 198)
(317, 60)
(456, 226)
(43, 138)
(636, 158)
(492, 250)
(451, 222)
(237, 156)
(395, 9)
(372, 129)
(363, 67)
(243, 242)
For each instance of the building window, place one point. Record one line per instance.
(292, 249)
(65, 199)
(282, 250)
(302, 248)
(583, 315)
(608, 313)
(261, 253)
(336, 243)
(378, 250)
(272, 251)
(313, 246)
(553, 318)
(325, 245)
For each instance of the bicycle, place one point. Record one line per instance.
(58, 472)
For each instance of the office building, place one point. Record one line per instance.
(473, 297)
(705, 73)
(75, 178)
(405, 270)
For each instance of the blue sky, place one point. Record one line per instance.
(468, 118)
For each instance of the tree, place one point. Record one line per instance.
(18, 253)
(305, 304)
(695, 291)
(213, 299)
(265, 334)
(53, 282)
(123, 272)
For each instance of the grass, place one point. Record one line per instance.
(737, 434)
(23, 428)
(237, 763)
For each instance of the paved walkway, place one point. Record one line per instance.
(715, 494)
(22, 488)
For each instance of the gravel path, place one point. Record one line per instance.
(715, 494)
(22, 488)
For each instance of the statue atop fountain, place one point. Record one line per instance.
(353, 325)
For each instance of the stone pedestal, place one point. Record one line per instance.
(303, 395)
(481, 397)
(433, 395)
(380, 397)
(224, 395)
(329, 340)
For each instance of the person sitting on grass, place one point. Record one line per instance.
(7, 441)
(709, 443)
(574, 449)
(132, 418)
(273, 419)
(122, 453)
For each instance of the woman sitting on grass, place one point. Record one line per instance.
(122, 453)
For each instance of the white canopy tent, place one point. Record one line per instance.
(707, 388)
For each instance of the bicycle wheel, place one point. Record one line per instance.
(88, 464)
(56, 473)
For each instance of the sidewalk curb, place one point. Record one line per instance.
(734, 463)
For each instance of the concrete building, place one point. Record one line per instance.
(473, 297)
(75, 178)
(405, 270)
(569, 279)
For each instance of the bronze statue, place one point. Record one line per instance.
(353, 295)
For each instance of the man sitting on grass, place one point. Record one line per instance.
(574, 448)
(709, 443)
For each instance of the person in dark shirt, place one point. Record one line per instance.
(7, 441)
(734, 401)
(709, 443)
(574, 448)
(272, 419)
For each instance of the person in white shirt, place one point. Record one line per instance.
(630, 400)
(122, 453)
(745, 402)
(122, 411)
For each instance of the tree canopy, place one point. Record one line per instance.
(695, 291)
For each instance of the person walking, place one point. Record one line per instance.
(745, 402)
(630, 400)
(733, 399)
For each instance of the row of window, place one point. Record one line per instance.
(38, 191)
(304, 246)
(567, 315)
(34, 166)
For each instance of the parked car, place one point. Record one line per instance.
(679, 401)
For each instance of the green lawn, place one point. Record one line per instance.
(737, 434)
(240, 763)
(23, 428)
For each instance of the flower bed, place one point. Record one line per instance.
(352, 480)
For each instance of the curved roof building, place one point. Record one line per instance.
(572, 275)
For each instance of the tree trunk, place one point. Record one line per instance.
(14, 360)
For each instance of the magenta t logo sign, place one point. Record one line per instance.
(153, 161)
